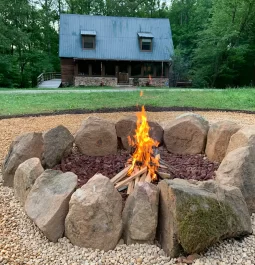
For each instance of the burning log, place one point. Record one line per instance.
(131, 187)
(137, 180)
(148, 178)
(142, 178)
(164, 175)
(132, 177)
(121, 175)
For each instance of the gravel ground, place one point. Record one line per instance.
(10, 128)
(22, 243)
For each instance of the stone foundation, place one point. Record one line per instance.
(157, 82)
(113, 81)
(94, 81)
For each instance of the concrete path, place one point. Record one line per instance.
(124, 90)
(53, 83)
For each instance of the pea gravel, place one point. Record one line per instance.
(21, 242)
(10, 128)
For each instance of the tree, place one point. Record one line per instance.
(223, 47)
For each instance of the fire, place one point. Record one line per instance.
(143, 155)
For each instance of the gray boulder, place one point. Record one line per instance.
(25, 177)
(58, 143)
(140, 214)
(96, 137)
(243, 137)
(238, 169)
(25, 146)
(218, 139)
(48, 201)
(186, 134)
(126, 126)
(192, 217)
(94, 217)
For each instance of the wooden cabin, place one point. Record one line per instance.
(100, 50)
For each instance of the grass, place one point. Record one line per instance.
(236, 99)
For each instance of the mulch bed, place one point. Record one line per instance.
(196, 167)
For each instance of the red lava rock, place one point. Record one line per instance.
(196, 167)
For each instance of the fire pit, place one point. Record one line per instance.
(166, 174)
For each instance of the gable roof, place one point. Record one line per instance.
(116, 37)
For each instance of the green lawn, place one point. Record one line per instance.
(240, 99)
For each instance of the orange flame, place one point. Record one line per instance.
(143, 155)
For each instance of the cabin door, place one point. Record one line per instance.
(123, 77)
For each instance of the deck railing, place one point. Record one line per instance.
(47, 76)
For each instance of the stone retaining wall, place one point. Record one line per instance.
(158, 82)
(94, 81)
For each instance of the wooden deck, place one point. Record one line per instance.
(53, 83)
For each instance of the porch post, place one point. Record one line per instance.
(142, 70)
(116, 70)
(102, 69)
(90, 69)
(162, 69)
(129, 70)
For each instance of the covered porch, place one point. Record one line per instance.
(112, 73)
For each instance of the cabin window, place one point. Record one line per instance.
(88, 42)
(146, 44)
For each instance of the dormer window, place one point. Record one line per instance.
(88, 40)
(146, 44)
(145, 41)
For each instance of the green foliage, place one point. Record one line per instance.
(214, 39)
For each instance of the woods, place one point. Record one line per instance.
(214, 40)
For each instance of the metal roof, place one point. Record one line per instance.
(145, 35)
(88, 32)
(116, 37)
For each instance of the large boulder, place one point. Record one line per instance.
(22, 148)
(243, 137)
(48, 201)
(94, 217)
(96, 137)
(140, 214)
(192, 217)
(218, 139)
(156, 131)
(58, 143)
(186, 134)
(238, 169)
(126, 126)
(25, 177)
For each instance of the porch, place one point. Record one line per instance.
(113, 73)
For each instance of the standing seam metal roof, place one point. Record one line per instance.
(116, 37)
